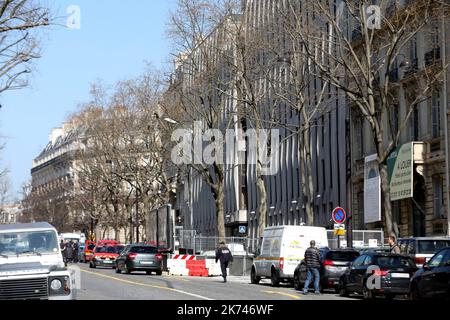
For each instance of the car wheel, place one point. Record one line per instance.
(367, 294)
(297, 284)
(275, 280)
(159, 273)
(253, 278)
(342, 289)
(148, 273)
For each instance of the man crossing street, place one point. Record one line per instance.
(223, 253)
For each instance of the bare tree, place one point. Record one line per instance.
(201, 88)
(355, 47)
(19, 20)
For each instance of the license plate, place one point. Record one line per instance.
(146, 262)
(400, 275)
(107, 261)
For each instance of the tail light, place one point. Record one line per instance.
(159, 256)
(132, 256)
(420, 261)
(328, 263)
(281, 263)
(380, 273)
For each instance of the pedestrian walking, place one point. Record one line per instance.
(312, 261)
(62, 246)
(75, 251)
(223, 253)
(69, 251)
(395, 249)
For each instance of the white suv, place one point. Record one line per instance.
(31, 264)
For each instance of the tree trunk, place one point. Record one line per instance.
(308, 188)
(219, 196)
(386, 200)
(262, 209)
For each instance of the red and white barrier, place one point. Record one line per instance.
(185, 257)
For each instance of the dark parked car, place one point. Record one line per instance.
(433, 280)
(139, 258)
(334, 264)
(394, 272)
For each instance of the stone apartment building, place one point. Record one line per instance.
(426, 212)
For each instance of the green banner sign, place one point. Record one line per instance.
(400, 169)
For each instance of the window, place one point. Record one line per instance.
(368, 261)
(436, 116)
(359, 138)
(438, 197)
(415, 130)
(359, 262)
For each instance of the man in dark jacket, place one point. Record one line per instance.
(223, 253)
(312, 261)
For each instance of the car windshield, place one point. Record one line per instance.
(432, 246)
(91, 246)
(147, 250)
(395, 262)
(105, 250)
(40, 242)
(342, 255)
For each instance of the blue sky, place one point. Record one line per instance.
(115, 40)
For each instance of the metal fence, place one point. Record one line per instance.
(200, 244)
(361, 239)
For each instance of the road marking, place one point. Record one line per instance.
(176, 278)
(283, 294)
(147, 285)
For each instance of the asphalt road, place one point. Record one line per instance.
(105, 284)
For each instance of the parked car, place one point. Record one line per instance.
(433, 279)
(334, 264)
(422, 249)
(394, 272)
(105, 256)
(139, 258)
(282, 249)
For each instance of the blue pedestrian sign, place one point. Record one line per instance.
(242, 229)
(339, 215)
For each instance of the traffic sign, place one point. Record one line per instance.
(339, 215)
(339, 230)
(242, 229)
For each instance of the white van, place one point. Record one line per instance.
(282, 249)
(76, 237)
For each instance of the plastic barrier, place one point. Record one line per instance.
(214, 269)
(197, 268)
(184, 257)
(177, 267)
